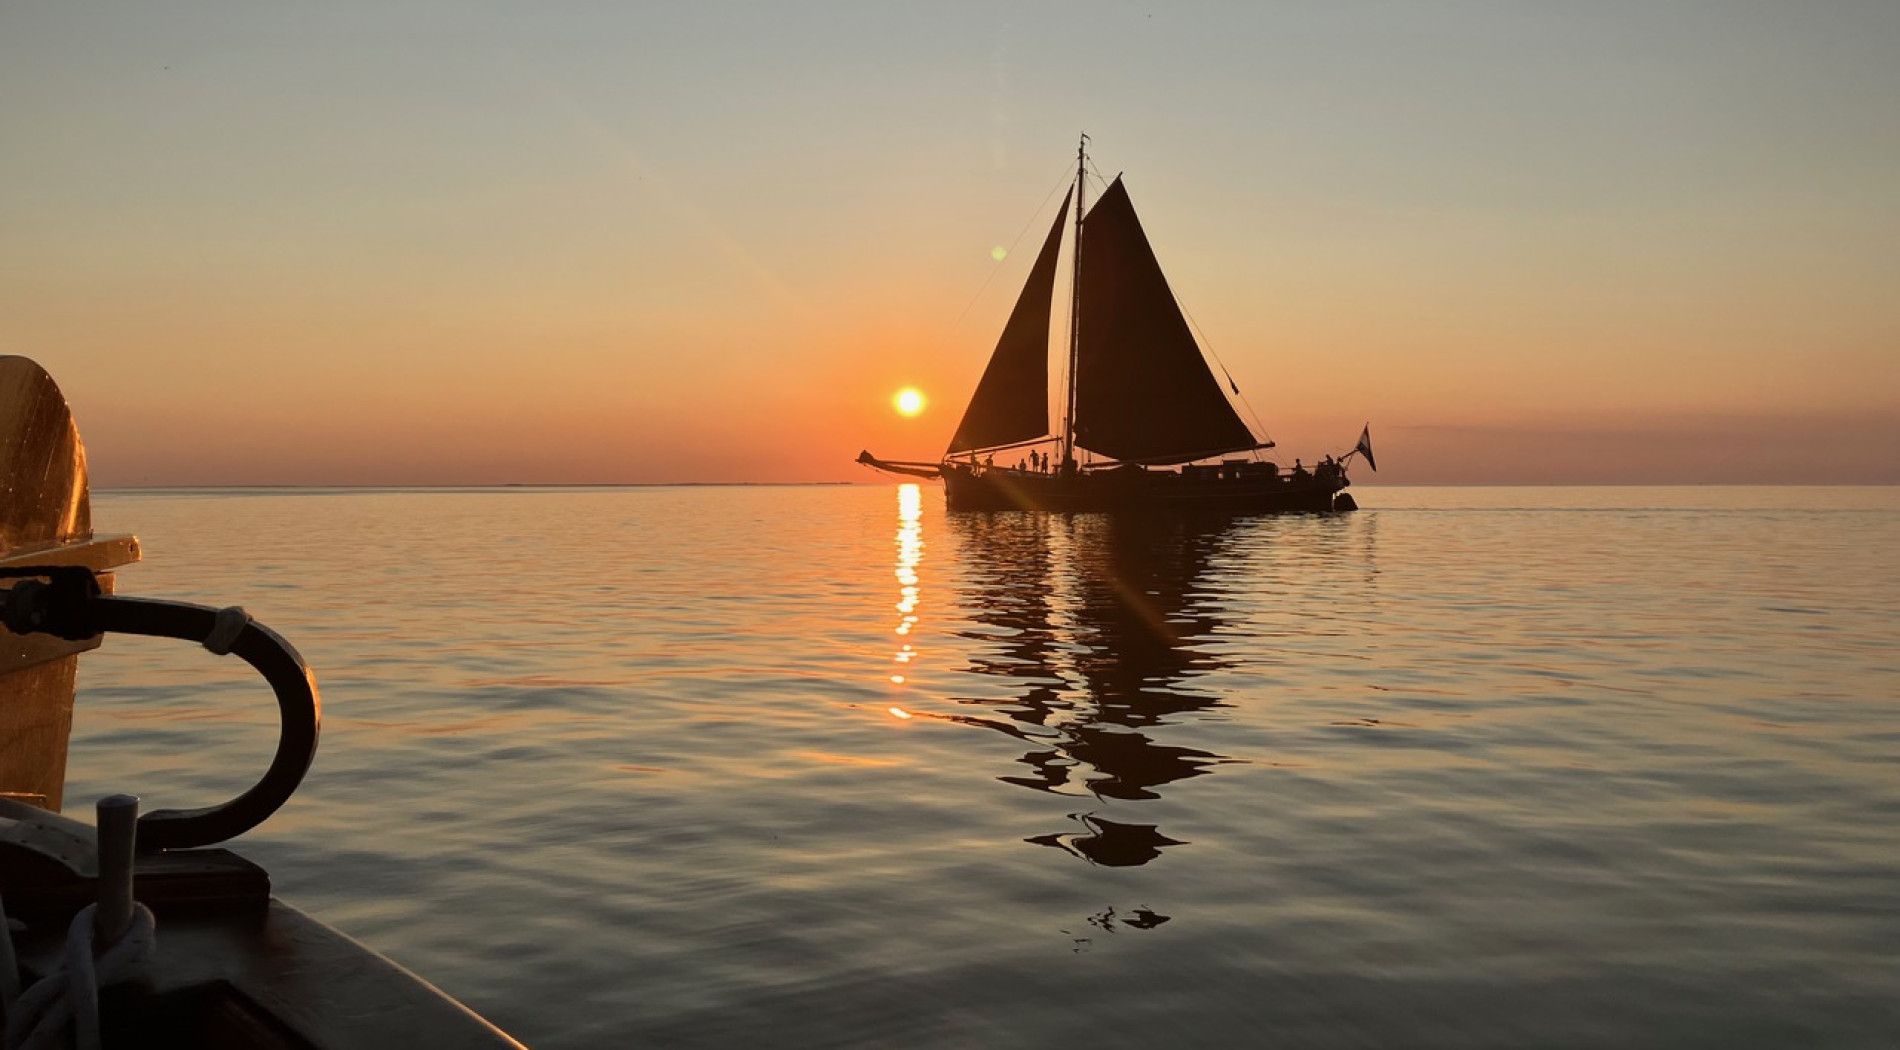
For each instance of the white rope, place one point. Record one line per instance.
(67, 999)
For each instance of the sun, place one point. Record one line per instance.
(908, 401)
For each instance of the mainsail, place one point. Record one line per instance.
(1011, 403)
(1142, 391)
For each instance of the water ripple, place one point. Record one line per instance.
(833, 767)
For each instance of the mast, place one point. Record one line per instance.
(1075, 308)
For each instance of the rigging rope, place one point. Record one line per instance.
(1231, 385)
(1007, 252)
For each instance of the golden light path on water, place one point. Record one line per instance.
(910, 552)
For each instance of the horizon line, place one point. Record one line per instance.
(495, 486)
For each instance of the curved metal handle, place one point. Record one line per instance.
(69, 604)
(300, 715)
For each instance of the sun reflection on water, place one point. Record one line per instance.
(910, 553)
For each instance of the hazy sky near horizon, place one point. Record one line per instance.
(461, 243)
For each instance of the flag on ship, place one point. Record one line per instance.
(1364, 447)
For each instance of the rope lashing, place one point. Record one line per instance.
(107, 942)
(225, 628)
(67, 999)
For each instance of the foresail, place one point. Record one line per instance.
(1142, 392)
(1011, 403)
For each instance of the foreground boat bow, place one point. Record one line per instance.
(191, 948)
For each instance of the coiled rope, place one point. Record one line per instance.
(62, 1008)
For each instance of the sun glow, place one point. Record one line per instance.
(908, 401)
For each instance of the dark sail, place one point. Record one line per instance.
(1142, 390)
(1011, 403)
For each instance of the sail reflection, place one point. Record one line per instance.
(1110, 843)
(1098, 623)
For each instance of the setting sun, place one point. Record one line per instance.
(909, 401)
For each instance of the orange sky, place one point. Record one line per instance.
(453, 245)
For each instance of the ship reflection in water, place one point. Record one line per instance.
(1098, 624)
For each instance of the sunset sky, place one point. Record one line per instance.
(427, 243)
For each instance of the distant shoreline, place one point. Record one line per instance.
(476, 487)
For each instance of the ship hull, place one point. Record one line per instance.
(1211, 489)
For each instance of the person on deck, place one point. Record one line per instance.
(1300, 471)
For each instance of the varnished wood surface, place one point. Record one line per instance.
(45, 519)
(21, 651)
(42, 463)
(97, 553)
(36, 719)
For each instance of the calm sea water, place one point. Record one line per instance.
(830, 766)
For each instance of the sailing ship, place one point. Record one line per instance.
(1155, 427)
